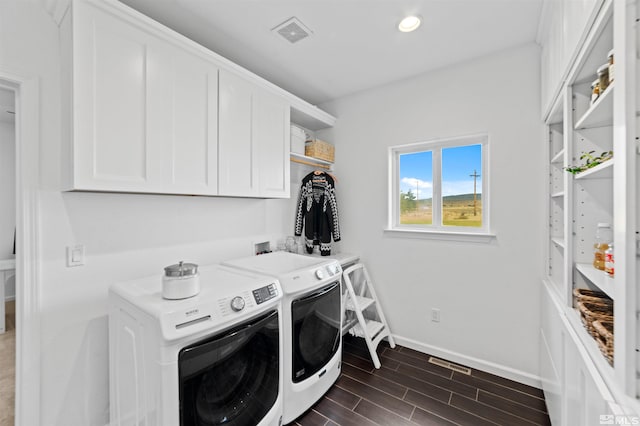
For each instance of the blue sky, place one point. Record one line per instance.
(457, 164)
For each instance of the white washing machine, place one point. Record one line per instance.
(311, 308)
(212, 359)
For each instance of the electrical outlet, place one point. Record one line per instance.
(435, 315)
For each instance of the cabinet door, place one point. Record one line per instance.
(576, 16)
(552, 54)
(552, 356)
(145, 110)
(271, 136)
(111, 148)
(183, 121)
(587, 398)
(253, 140)
(236, 165)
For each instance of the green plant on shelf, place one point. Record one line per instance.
(590, 161)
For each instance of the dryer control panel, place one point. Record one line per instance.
(265, 293)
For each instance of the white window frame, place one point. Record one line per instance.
(436, 229)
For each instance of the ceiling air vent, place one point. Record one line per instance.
(293, 30)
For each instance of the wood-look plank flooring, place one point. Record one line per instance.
(408, 390)
(8, 366)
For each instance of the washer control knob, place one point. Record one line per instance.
(319, 274)
(237, 303)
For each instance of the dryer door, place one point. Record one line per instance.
(316, 330)
(231, 378)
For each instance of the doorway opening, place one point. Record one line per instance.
(24, 281)
(7, 255)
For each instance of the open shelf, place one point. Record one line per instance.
(600, 114)
(558, 157)
(599, 278)
(310, 161)
(590, 345)
(558, 194)
(558, 241)
(601, 171)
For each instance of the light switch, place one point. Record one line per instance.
(75, 255)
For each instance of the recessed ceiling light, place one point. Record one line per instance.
(410, 23)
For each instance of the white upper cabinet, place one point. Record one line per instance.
(564, 25)
(150, 111)
(552, 51)
(253, 141)
(143, 111)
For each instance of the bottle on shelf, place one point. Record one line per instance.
(604, 237)
(608, 261)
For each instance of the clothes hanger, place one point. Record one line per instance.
(323, 172)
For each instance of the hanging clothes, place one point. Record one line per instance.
(317, 212)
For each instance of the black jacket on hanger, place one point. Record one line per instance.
(317, 212)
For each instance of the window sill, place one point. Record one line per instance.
(474, 237)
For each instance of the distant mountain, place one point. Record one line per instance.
(462, 197)
(453, 198)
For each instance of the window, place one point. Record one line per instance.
(440, 186)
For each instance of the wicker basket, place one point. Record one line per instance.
(590, 312)
(605, 338)
(586, 295)
(319, 149)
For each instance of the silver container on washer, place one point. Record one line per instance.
(180, 281)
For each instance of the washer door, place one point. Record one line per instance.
(232, 378)
(316, 331)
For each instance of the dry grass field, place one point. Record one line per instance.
(456, 211)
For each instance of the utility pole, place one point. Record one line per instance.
(475, 176)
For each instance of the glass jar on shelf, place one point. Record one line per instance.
(604, 237)
(595, 91)
(603, 77)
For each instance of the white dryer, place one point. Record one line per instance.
(211, 359)
(312, 314)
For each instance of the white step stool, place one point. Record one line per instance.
(369, 324)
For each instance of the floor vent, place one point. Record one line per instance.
(450, 366)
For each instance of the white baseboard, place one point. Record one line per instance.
(479, 364)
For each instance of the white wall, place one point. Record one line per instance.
(488, 293)
(126, 236)
(7, 197)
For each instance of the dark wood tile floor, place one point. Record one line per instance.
(408, 390)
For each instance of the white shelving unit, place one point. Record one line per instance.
(576, 203)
